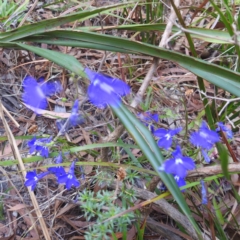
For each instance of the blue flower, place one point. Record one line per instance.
(40, 145)
(147, 119)
(224, 129)
(205, 156)
(75, 117)
(35, 95)
(105, 90)
(69, 178)
(180, 182)
(32, 178)
(166, 136)
(178, 165)
(50, 88)
(204, 193)
(59, 170)
(204, 138)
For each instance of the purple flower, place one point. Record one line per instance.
(178, 165)
(224, 129)
(40, 145)
(166, 136)
(147, 118)
(105, 90)
(59, 170)
(69, 178)
(204, 193)
(50, 88)
(32, 178)
(204, 138)
(75, 118)
(35, 95)
(205, 156)
(180, 182)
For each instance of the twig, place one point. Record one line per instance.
(17, 155)
(28, 13)
(63, 128)
(213, 170)
(10, 116)
(222, 99)
(151, 71)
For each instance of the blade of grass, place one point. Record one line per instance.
(46, 25)
(61, 59)
(229, 29)
(208, 35)
(219, 76)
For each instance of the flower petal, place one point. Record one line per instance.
(105, 90)
(31, 174)
(165, 143)
(32, 178)
(204, 193)
(179, 165)
(74, 114)
(204, 138)
(180, 182)
(62, 179)
(58, 171)
(72, 182)
(176, 169)
(177, 153)
(188, 163)
(33, 95)
(205, 156)
(175, 131)
(51, 87)
(225, 129)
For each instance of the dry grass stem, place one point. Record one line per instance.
(17, 155)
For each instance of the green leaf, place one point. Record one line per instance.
(75, 150)
(235, 192)
(46, 25)
(223, 155)
(208, 35)
(61, 59)
(219, 76)
(217, 224)
(218, 211)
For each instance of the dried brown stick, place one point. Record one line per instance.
(151, 71)
(165, 231)
(17, 156)
(28, 13)
(10, 116)
(213, 170)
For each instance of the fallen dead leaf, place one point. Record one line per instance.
(49, 114)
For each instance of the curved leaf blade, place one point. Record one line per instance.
(219, 76)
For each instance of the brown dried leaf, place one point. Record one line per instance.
(65, 209)
(17, 207)
(4, 231)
